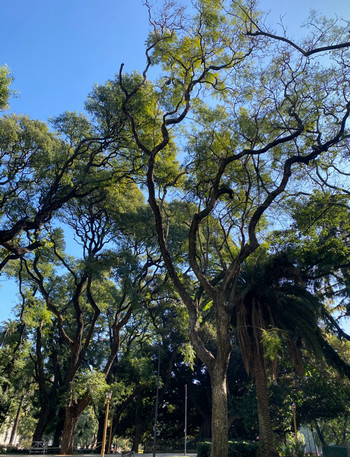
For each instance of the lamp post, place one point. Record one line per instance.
(108, 398)
(294, 409)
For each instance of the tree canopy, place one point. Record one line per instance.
(240, 147)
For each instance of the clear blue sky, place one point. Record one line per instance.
(58, 49)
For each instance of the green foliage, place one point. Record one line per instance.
(92, 382)
(86, 429)
(36, 314)
(5, 81)
(203, 449)
(263, 119)
(188, 354)
(236, 449)
(292, 448)
(272, 343)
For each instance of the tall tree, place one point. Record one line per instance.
(96, 297)
(280, 110)
(277, 308)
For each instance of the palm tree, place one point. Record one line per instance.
(271, 295)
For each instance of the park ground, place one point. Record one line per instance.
(116, 455)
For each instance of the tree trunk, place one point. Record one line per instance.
(266, 435)
(59, 428)
(205, 428)
(101, 424)
(139, 427)
(70, 426)
(320, 434)
(219, 422)
(46, 410)
(72, 415)
(218, 378)
(137, 437)
(15, 425)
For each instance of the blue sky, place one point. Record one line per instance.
(57, 50)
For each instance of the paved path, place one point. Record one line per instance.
(98, 455)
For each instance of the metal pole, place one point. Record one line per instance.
(185, 451)
(156, 408)
(108, 397)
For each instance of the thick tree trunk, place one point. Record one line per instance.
(137, 437)
(70, 426)
(219, 422)
(46, 411)
(59, 428)
(218, 378)
(139, 424)
(266, 435)
(72, 415)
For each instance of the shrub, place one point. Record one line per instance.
(235, 449)
(244, 448)
(203, 449)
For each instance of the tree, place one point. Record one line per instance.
(281, 109)
(5, 91)
(277, 310)
(266, 113)
(97, 296)
(323, 250)
(16, 367)
(42, 170)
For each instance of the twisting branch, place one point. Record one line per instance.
(298, 48)
(39, 280)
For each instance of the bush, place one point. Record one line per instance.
(235, 449)
(13, 450)
(243, 448)
(203, 449)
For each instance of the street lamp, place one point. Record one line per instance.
(294, 409)
(108, 399)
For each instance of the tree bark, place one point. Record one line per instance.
(15, 425)
(140, 425)
(101, 423)
(266, 435)
(72, 415)
(70, 426)
(137, 437)
(219, 422)
(320, 434)
(44, 416)
(59, 428)
(218, 378)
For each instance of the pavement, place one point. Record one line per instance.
(98, 455)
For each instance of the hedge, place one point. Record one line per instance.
(235, 449)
